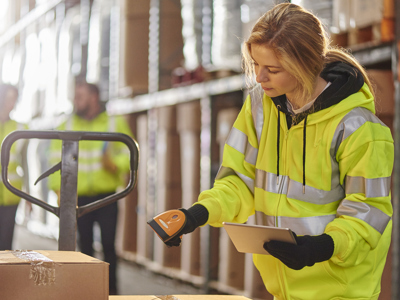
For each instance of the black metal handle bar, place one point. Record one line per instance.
(74, 136)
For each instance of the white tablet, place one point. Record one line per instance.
(251, 238)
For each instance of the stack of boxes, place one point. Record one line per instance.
(189, 128)
(358, 22)
(169, 191)
(134, 47)
(231, 262)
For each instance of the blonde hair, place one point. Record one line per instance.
(300, 43)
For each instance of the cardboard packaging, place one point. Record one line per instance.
(365, 12)
(189, 127)
(180, 297)
(340, 16)
(383, 82)
(48, 275)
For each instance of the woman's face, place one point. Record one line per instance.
(274, 79)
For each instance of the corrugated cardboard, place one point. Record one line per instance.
(365, 12)
(180, 297)
(384, 91)
(49, 275)
(340, 16)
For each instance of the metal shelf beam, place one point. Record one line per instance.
(176, 95)
(374, 55)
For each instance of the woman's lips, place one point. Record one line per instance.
(267, 89)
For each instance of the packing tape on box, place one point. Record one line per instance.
(165, 298)
(42, 271)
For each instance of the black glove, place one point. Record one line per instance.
(196, 216)
(308, 251)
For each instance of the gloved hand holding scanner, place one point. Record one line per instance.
(172, 224)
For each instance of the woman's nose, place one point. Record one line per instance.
(261, 76)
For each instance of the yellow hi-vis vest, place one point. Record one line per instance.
(6, 197)
(93, 179)
(348, 165)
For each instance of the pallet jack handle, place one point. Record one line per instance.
(68, 212)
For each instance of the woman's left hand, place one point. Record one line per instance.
(308, 250)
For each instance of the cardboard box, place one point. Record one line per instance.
(340, 16)
(180, 297)
(365, 12)
(383, 83)
(134, 56)
(48, 275)
(189, 116)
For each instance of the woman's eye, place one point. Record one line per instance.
(273, 72)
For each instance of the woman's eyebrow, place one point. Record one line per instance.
(268, 66)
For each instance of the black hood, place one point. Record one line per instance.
(345, 81)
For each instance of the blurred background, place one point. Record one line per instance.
(173, 68)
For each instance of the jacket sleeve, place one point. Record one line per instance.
(363, 218)
(231, 198)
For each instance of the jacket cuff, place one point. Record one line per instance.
(199, 213)
(340, 242)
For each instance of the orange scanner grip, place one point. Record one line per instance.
(169, 224)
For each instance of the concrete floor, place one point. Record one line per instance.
(132, 279)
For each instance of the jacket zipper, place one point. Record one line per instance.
(283, 178)
(280, 189)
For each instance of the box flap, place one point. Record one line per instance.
(26, 256)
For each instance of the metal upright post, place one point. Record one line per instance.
(396, 171)
(154, 45)
(115, 41)
(86, 6)
(153, 86)
(68, 195)
(205, 184)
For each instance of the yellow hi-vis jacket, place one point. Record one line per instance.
(6, 197)
(348, 164)
(93, 179)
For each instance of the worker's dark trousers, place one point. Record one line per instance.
(106, 217)
(7, 222)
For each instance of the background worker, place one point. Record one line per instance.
(102, 167)
(309, 154)
(8, 201)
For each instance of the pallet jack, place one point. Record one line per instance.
(68, 212)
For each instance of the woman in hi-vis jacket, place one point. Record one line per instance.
(306, 153)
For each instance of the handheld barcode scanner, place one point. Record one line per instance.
(168, 224)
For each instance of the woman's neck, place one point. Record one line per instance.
(297, 102)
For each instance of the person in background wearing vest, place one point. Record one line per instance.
(102, 169)
(8, 201)
(308, 153)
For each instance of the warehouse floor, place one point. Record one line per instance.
(132, 279)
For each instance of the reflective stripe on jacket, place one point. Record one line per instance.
(6, 197)
(343, 190)
(92, 177)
